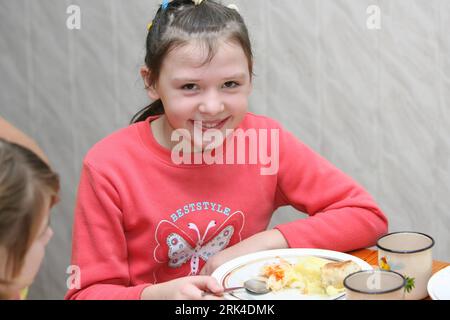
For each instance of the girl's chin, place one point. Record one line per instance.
(212, 139)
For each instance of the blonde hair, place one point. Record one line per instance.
(25, 182)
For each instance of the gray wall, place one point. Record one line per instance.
(374, 102)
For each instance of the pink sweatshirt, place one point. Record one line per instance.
(141, 219)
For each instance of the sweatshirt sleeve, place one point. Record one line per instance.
(342, 215)
(99, 247)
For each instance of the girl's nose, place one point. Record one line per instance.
(212, 104)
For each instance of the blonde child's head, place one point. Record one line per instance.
(180, 23)
(28, 189)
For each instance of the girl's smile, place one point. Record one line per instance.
(206, 125)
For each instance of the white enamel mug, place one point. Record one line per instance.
(410, 254)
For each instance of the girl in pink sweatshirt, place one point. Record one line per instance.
(194, 180)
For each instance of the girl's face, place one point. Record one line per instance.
(211, 95)
(35, 253)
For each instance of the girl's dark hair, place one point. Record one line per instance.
(183, 21)
(25, 182)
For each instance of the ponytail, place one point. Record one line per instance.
(154, 109)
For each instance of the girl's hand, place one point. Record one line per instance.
(266, 240)
(186, 288)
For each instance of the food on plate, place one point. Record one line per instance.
(311, 275)
(334, 273)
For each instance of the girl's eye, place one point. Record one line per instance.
(189, 86)
(231, 84)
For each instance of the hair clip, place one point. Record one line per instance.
(149, 26)
(233, 6)
(165, 4)
(197, 2)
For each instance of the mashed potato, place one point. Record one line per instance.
(311, 275)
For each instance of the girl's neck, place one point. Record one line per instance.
(161, 132)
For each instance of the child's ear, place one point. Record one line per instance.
(149, 86)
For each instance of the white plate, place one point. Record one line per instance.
(234, 272)
(439, 285)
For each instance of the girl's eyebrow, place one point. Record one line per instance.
(234, 76)
(185, 80)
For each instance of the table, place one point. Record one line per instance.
(371, 257)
